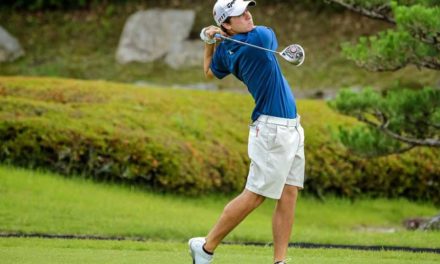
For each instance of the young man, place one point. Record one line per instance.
(276, 138)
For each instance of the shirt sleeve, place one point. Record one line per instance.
(218, 65)
(268, 38)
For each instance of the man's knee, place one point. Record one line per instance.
(251, 199)
(254, 199)
(248, 201)
(289, 192)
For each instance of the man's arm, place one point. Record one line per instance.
(209, 52)
(207, 35)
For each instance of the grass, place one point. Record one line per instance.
(82, 44)
(38, 251)
(47, 203)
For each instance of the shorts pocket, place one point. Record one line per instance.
(301, 135)
(253, 130)
(272, 136)
(257, 144)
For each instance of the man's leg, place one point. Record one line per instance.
(283, 220)
(233, 213)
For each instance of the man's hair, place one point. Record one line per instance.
(227, 20)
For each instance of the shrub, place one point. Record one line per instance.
(187, 142)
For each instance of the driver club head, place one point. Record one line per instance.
(294, 54)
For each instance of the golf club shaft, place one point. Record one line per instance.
(244, 43)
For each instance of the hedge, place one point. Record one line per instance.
(187, 142)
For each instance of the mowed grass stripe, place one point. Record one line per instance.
(258, 244)
(34, 202)
(35, 251)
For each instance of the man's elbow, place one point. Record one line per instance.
(209, 75)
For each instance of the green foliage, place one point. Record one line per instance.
(348, 102)
(415, 40)
(405, 119)
(183, 141)
(421, 22)
(390, 51)
(75, 131)
(406, 113)
(383, 4)
(368, 142)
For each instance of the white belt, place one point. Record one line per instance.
(279, 120)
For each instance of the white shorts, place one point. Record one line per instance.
(276, 150)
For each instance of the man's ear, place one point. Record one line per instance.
(227, 26)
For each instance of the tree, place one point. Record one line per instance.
(400, 119)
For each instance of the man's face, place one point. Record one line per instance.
(242, 23)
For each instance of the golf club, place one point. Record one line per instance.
(294, 53)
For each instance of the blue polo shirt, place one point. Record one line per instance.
(259, 70)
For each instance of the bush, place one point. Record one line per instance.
(187, 142)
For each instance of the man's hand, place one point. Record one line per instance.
(207, 34)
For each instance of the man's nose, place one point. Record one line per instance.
(247, 14)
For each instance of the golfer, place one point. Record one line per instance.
(276, 138)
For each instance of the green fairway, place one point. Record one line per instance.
(36, 251)
(46, 203)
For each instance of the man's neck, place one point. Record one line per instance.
(232, 32)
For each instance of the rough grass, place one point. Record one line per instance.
(35, 202)
(36, 251)
(82, 44)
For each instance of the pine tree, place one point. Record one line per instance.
(400, 119)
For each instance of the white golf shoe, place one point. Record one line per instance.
(199, 255)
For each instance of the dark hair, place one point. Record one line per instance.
(227, 20)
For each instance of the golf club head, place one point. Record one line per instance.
(294, 54)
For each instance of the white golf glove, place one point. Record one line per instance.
(205, 38)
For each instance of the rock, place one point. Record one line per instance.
(10, 48)
(185, 54)
(432, 224)
(149, 35)
(419, 223)
(414, 223)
